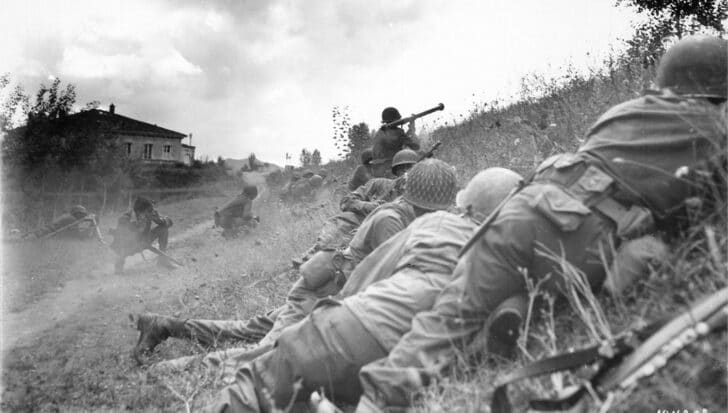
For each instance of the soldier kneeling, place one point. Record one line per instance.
(134, 233)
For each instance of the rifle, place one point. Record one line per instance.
(161, 253)
(89, 217)
(633, 356)
(413, 117)
(431, 152)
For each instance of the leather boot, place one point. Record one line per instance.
(153, 329)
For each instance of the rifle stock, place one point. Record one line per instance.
(413, 117)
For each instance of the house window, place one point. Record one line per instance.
(147, 151)
(128, 148)
(167, 151)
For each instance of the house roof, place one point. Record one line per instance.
(123, 125)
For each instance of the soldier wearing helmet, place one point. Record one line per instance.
(389, 140)
(399, 279)
(135, 232)
(638, 165)
(430, 187)
(363, 172)
(403, 161)
(76, 223)
(237, 214)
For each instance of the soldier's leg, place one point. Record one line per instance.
(299, 303)
(324, 350)
(161, 234)
(207, 332)
(490, 273)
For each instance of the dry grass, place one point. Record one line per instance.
(82, 361)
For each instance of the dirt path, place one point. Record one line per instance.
(100, 282)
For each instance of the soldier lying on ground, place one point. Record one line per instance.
(399, 279)
(390, 140)
(355, 206)
(134, 233)
(362, 173)
(639, 164)
(238, 213)
(77, 223)
(430, 186)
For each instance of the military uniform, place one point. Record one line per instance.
(338, 230)
(623, 180)
(235, 214)
(134, 233)
(77, 223)
(360, 177)
(386, 143)
(328, 347)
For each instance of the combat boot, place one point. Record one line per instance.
(153, 329)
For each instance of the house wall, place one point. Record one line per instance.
(158, 143)
(188, 154)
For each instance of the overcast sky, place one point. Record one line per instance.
(263, 76)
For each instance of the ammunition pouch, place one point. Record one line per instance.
(581, 179)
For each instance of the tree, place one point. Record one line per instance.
(360, 138)
(305, 157)
(14, 104)
(316, 158)
(684, 16)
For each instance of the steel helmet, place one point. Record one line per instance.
(307, 173)
(78, 210)
(251, 191)
(695, 66)
(316, 181)
(142, 204)
(323, 173)
(430, 184)
(390, 114)
(404, 157)
(366, 156)
(486, 190)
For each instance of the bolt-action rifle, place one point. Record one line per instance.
(413, 117)
(634, 355)
(430, 153)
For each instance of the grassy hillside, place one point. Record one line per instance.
(79, 360)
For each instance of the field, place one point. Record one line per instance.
(67, 338)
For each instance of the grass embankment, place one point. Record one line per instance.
(554, 119)
(82, 362)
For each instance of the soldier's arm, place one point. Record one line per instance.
(384, 229)
(409, 140)
(360, 201)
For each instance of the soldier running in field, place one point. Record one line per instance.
(134, 233)
(237, 214)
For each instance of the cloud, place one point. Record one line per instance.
(262, 76)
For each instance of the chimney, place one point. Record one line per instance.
(112, 108)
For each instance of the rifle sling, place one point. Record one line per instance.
(568, 361)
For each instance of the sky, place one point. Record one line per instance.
(261, 76)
